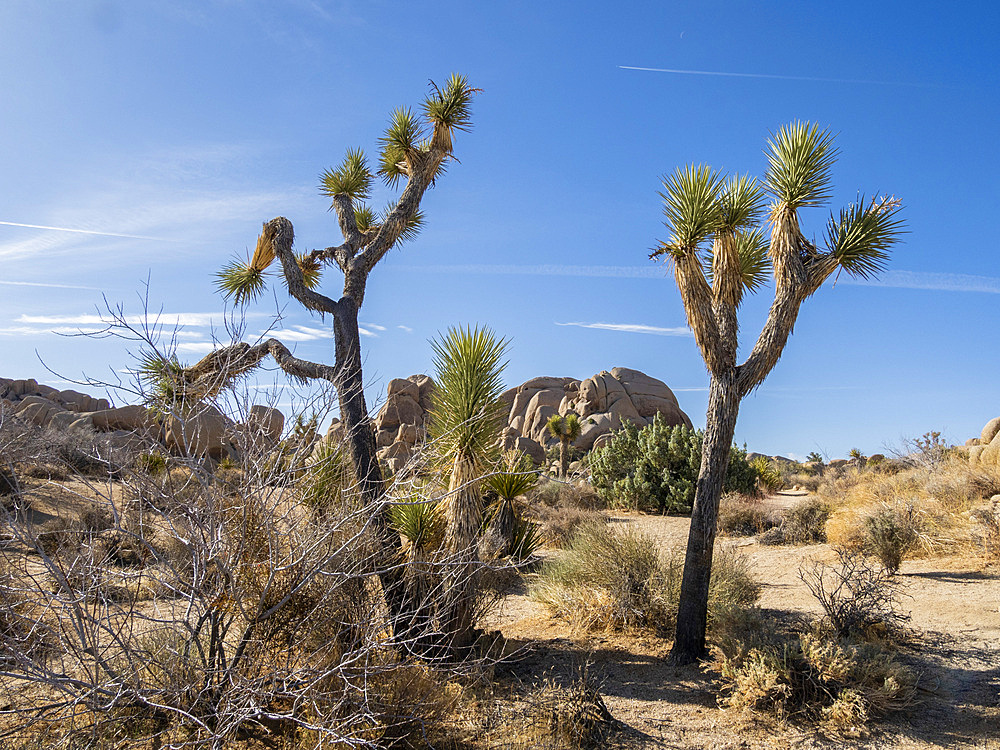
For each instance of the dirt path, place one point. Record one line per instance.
(954, 604)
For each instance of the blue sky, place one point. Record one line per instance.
(184, 125)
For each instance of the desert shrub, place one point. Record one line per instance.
(987, 519)
(858, 599)
(555, 494)
(8, 481)
(326, 479)
(838, 683)
(743, 515)
(153, 463)
(805, 522)
(656, 468)
(890, 533)
(560, 524)
(619, 581)
(568, 716)
(526, 539)
(806, 480)
(769, 476)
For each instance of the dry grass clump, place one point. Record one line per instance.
(932, 507)
(807, 481)
(609, 580)
(571, 716)
(839, 684)
(803, 523)
(552, 493)
(744, 515)
(560, 524)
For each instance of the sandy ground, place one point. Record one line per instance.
(954, 604)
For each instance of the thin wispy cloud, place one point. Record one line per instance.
(813, 79)
(602, 272)
(407, 329)
(49, 286)
(84, 231)
(633, 328)
(941, 282)
(930, 280)
(303, 333)
(158, 319)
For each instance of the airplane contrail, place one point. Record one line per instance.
(83, 231)
(48, 286)
(769, 75)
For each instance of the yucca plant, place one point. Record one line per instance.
(565, 430)
(515, 477)
(768, 476)
(466, 418)
(421, 525)
(728, 236)
(413, 152)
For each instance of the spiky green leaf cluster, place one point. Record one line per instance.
(564, 428)
(421, 523)
(515, 477)
(310, 268)
(162, 378)
(741, 203)
(352, 178)
(451, 105)
(860, 238)
(467, 412)
(241, 281)
(800, 157)
(691, 206)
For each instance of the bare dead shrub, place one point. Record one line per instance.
(560, 523)
(859, 599)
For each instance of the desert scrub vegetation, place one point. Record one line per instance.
(841, 671)
(655, 468)
(744, 515)
(910, 508)
(611, 580)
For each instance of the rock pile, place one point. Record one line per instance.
(603, 402)
(207, 432)
(985, 450)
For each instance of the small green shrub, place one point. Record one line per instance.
(153, 463)
(769, 477)
(422, 524)
(890, 533)
(656, 468)
(805, 522)
(326, 478)
(618, 581)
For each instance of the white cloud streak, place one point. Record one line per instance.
(49, 286)
(633, 328)
(84, 231)
(678, 71)
(157, 319)
(941, 282)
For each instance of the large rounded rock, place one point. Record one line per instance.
(990, 431)
(266, 422)
(133, 417)
(204, 433)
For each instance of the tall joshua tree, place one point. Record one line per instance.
(414, 150)
(566, 430)
(720, 251)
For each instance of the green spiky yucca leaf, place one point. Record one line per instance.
(515, 476)
(412, 227)
(421, 523)
(365, 218)
(451, 105)
(755, 263)
(404, 131)
(310, 268)
(392, 165)
(691, 206)
(564, 428)
(241, 281)
(859, 239)
(467, 412)
(162, 378)
(800, 157)
(352, 178)
(741, 203)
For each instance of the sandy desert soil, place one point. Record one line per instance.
(954, 604)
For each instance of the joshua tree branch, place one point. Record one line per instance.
(284, 235)
(344, 207)
(697, 297)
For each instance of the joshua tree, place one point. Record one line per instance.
(719, 252)
(466, 419)
(414, 149)
(566, 430)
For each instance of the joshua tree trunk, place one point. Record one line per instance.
(563, 458)
(692, 614)
(464, 513)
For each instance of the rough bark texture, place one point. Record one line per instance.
(464, 514)
(692, 613)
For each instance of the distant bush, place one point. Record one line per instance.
(769, 476)
(618, 581)
(890, 533)
(742, 515)
(656, 468)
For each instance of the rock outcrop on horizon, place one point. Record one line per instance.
(208, 432)
(604, 402)
(985, 450)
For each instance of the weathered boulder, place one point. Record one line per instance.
(265, 422)
(990, 431)
(207, 432)
(37, 409)
(133, 417)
